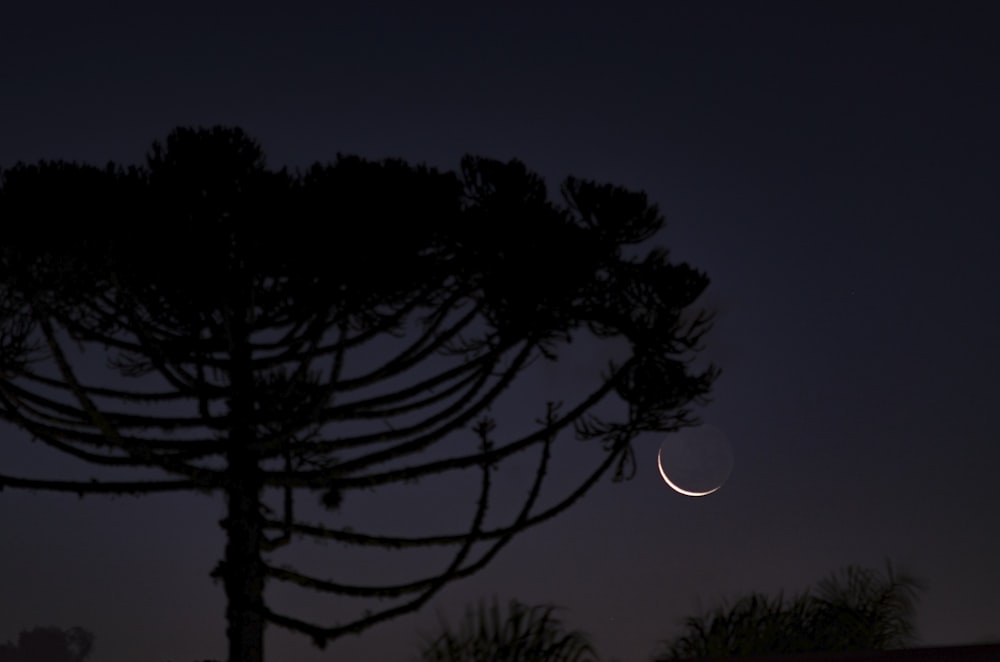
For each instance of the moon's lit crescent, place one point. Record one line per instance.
(674, 486)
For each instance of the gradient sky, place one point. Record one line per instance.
(833, 166)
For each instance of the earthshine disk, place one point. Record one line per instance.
(695, 462)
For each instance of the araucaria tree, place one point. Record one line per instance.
(284, 338)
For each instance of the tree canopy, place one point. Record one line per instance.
(517, 633)
(854, 610)
(272, 334)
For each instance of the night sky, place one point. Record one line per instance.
(832, 166)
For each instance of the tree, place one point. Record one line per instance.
(49, 644)
(272, 335)
(519, 634)
(864, 609)
(857, 609)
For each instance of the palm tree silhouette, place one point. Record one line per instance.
(518, 634)
(855, 609)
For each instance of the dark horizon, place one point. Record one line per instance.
(966, 653)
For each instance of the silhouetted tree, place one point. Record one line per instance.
(271, 334)
(864, 609)
(857, 609)
(519, 634)
(49, 644)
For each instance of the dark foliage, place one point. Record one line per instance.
(857, 609)
(518, 633)
(49, 644)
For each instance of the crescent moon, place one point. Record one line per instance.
(674, 486)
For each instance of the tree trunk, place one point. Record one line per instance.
(244, 568)
(244, 576)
